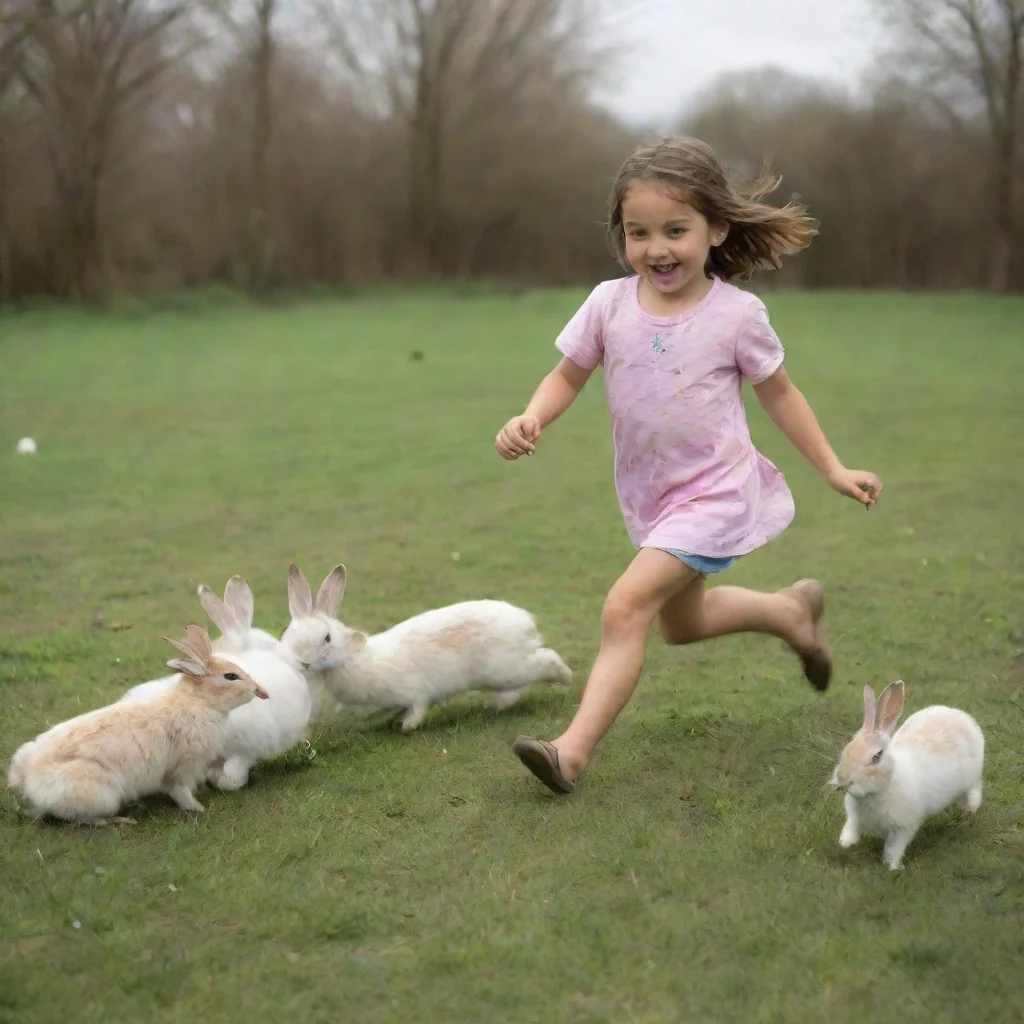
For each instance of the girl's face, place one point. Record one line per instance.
(667, 240)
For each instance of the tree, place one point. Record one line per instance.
(442, 66)
(261, 131)
(969, 55)
(85, 62)
(897, 194)
(17, 24)
(252, 22)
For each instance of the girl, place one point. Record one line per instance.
(676, 341)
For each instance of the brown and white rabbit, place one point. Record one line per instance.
(254, 731)
(89, 767)
(894, 781)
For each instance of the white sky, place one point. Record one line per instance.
(678, 47)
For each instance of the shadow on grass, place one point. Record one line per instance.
(939, 837)
(471, 710)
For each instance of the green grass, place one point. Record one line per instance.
(695, 875)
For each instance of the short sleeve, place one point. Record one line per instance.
(582, 338)
(759, 353)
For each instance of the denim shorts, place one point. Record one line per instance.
(704, 565)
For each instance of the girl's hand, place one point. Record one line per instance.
(517, 437)
(858, 484)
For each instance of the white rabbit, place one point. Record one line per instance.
(256, 731)
(893, 782)
(86, 769)
(489, 645)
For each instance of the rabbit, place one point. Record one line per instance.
(489, 645)
(84, 770)
(256, 731)
(893, 782)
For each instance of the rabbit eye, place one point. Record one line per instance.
(877, 757)
(327, 639)
(232, 676)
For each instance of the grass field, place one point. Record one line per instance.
(695, 875)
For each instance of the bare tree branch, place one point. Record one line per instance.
(969, 54)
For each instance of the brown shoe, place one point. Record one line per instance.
(817, 662)
(542, 759)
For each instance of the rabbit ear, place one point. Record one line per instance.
(238, 598)
(889, 707)
(184, 646)
(199, 640)
(331, 591)
(300, 599)
(869, 709)
(220, 615)
(190, 668)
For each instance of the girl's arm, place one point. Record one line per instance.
(786, 405)
(555, 393)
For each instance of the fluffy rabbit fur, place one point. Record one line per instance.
(255, 731)
(893, 782)
(86, 769)
(490, 645)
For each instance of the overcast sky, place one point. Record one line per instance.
(680, 46)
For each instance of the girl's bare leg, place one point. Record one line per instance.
(653, 577)
(659, 585)
(793, 615)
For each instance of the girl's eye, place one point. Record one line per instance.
(232, 676)
(877, 758)
(327, 639)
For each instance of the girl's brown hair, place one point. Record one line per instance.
(759, 234)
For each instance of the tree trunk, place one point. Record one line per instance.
(6, 245)
(425, 169)
(1005, 137)
(1005, 219)
(87, 167)
(258, 234)
(1005, 127)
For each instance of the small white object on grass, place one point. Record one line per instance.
(26, 446)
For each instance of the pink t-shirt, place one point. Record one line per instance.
(686, 471)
